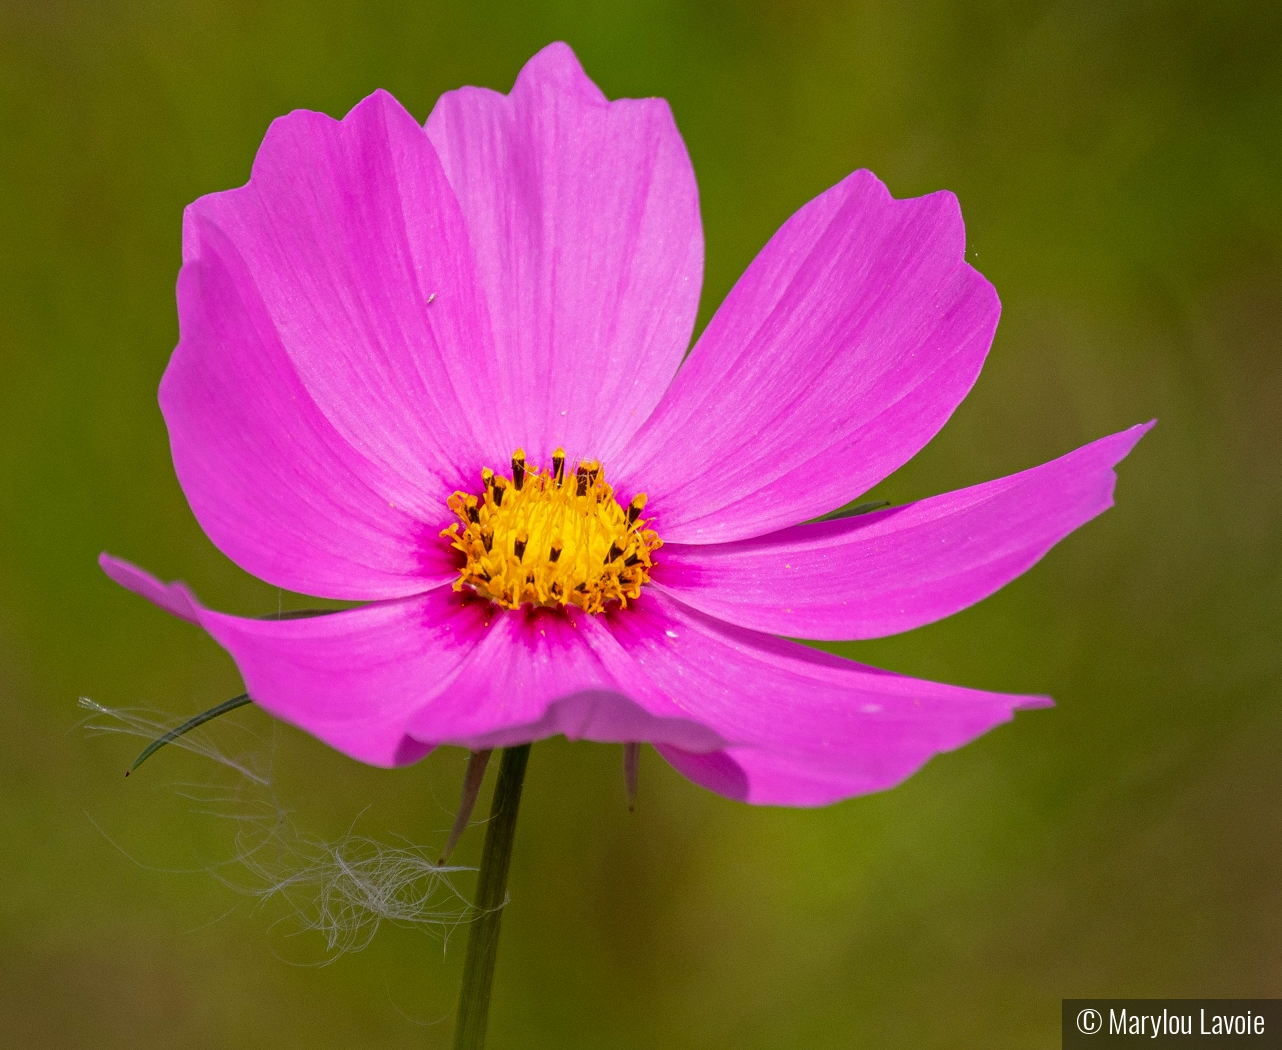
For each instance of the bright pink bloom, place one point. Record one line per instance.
(383, 311)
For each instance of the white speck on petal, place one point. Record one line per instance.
(670, 634)
(870, 709)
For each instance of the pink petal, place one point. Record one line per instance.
(896, 569)
(175, 598)
(539, 672)
(388, 682)
(806, 728)
(584, 217)
(353, 679)
(319, 401)
(842, 350)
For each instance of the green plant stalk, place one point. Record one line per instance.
(491, 895)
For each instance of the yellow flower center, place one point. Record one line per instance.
(538, 538)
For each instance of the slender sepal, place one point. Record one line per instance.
(472, 777)
(631, 770)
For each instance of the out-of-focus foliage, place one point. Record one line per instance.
(1118, 166)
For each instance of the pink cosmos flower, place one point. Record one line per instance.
(436, 369)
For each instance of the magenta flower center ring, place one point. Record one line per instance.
(538, 538)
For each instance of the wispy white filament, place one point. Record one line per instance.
(149, 724)
(343, 890)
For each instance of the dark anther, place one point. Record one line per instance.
(635, 508)
(486, 576)
(614, 551)
(487, 477)
(487, 540)
(555, 553)
(500, 487)
(558, 466)
(582, 588)
(518, 548)
(581, 475)
(634, 559)
(473, 511)
(518, 469)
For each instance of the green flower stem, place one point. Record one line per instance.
(491, 895)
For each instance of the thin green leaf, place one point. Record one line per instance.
(850, 512)
(188, 726)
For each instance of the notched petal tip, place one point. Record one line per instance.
(175, 598)
(275, 155)
(559, 67)
(380, 104)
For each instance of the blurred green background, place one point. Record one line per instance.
(1118, 164)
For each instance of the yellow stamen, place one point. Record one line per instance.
(536, 540)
